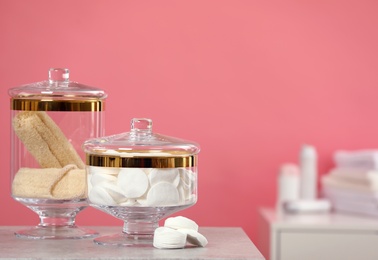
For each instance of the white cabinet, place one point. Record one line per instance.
(317, 236)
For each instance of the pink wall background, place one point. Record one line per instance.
(250, 81)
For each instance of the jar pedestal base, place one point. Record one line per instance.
(57, 219)
(56, 232)
(123, 239)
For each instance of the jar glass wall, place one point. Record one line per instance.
(140, 177)
(50, 120)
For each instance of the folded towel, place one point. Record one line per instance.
(356, 208)
(337, 194)
(351, 191)
(50, 183)
(361, 159)
(339, 182)
(364, 177)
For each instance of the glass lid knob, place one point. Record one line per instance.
(141, 125)
(59, 75)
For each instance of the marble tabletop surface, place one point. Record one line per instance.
(224, 243)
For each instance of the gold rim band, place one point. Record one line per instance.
(141, 162)
(57, 105)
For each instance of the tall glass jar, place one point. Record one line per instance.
(50, 120)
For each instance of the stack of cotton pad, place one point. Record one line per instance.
(141, 186)
(177, 231)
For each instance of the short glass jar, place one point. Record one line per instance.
(140, 177)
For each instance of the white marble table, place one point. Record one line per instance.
(224, 243)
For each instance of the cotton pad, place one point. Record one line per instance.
(133, 182)
(113, 190)
(187, 178)
(129, 202)
(165, 235)
(181, 222)
(93, 170)
(163, 194)
(186, 193)
(168, 238)
(97, 178)
(166, 175)
(142, 200)
(100, 196)
(194, 237)
(182, 193)
(184, 179)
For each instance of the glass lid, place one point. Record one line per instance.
(57, 93)
(140, 148)
(58, 86)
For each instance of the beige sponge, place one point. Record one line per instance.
(45, 140)
(50, 183)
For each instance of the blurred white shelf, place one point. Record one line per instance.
(224, 243)
(317, 236)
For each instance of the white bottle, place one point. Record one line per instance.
(309, 172)
(288, 184)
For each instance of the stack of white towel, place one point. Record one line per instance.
(352, 186)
